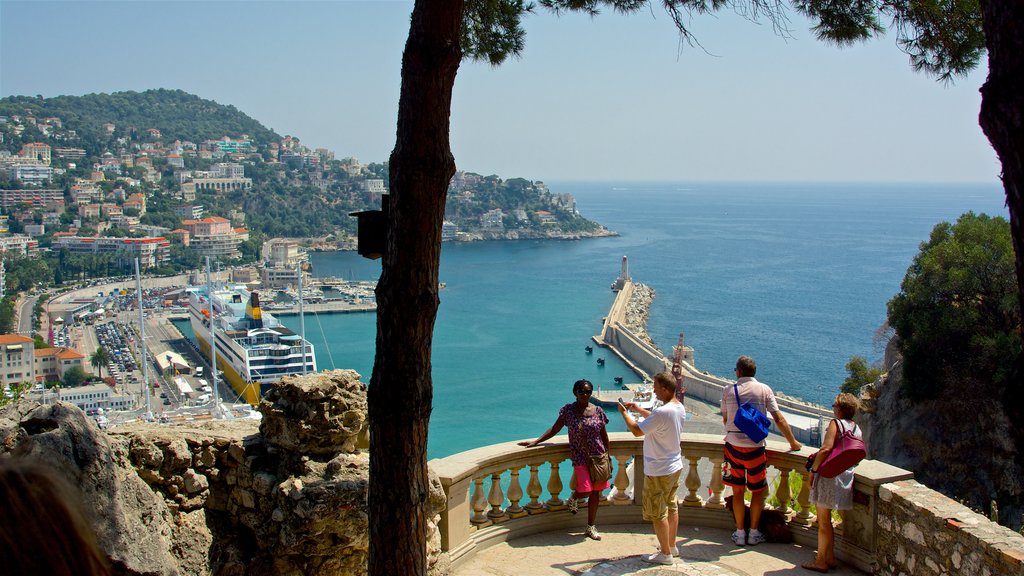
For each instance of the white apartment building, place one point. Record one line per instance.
(17, 359)
(227, 170)
(151, 252)
(284, 254)
(33, 196)
(213, 237)
(95, 396)
(34, 174)
(374, 186)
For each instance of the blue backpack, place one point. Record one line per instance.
(749, 419)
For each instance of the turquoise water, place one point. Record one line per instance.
(796, 276)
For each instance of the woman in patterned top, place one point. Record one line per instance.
(587, 437)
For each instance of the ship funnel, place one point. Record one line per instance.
(253, 312)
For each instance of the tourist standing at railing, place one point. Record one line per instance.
(746, 463)
(588, 436)
(663, 462)
(829, 494)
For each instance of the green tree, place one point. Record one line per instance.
(957, 315)
(99, 359)
(40, 342)
(859, 373)
(74, 376)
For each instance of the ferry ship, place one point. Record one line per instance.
(254, 349)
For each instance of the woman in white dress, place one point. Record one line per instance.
(830, 494)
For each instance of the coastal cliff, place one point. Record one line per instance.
(286, 496)
(959, 442)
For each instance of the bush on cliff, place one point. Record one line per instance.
(957, 314)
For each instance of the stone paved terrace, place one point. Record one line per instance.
(703, 551)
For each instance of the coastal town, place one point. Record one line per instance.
(84, 198)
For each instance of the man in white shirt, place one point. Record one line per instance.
(746, 464)
(663, 463)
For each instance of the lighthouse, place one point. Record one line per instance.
(623, 276)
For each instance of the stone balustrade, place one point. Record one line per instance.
(504, 491)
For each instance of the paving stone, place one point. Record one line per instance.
(705, 552)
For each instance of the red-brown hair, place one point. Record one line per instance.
(42, 527)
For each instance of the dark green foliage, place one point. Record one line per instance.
(40, 342)
(74, 377)
(942, 37)
(957, 314)
(99, 359)
(491, 30)
(7, 315)
(177, 114)
(859, 374)
(25, 272)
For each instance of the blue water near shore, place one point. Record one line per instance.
(795, 275)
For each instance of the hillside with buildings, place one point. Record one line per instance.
(94, 181)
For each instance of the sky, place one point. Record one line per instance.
(609, 98)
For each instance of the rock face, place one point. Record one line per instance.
(223, 497)
(959, 442)
(638, 310)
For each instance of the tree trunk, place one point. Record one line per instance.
(400, 393)
(1002, 110)
(1002, 120)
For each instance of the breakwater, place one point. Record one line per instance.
(623, 332)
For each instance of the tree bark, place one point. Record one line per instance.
(401, 390)
(1002, 120)
(1002, 110)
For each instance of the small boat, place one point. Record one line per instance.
(618, 379)
(600, 361)
(589, 349)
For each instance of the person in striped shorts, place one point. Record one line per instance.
(745, 465)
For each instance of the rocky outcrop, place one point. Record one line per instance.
(958, 442)
(286, 496)
(638, 311)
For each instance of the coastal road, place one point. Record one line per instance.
(24, 326)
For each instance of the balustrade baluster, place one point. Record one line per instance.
(496, 498)
(515, 494)
(693, 484)
(533, 490)
(717, 485)
(479, 504)
(804, 516)
(783, 493)
(621, 481)
(555, 488)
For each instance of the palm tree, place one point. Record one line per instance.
(99, 359)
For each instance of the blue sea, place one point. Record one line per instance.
(795, 275)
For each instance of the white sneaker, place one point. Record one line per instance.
(573, 505)
(592, 533)
(755, 537)
(739, 537)
(659, 558)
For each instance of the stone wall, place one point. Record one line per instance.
(283, 496)
(923, 533)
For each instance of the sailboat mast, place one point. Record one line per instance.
(142, 342)
(213, 341)
(302, 320)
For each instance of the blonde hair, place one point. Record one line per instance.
(847, 405)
